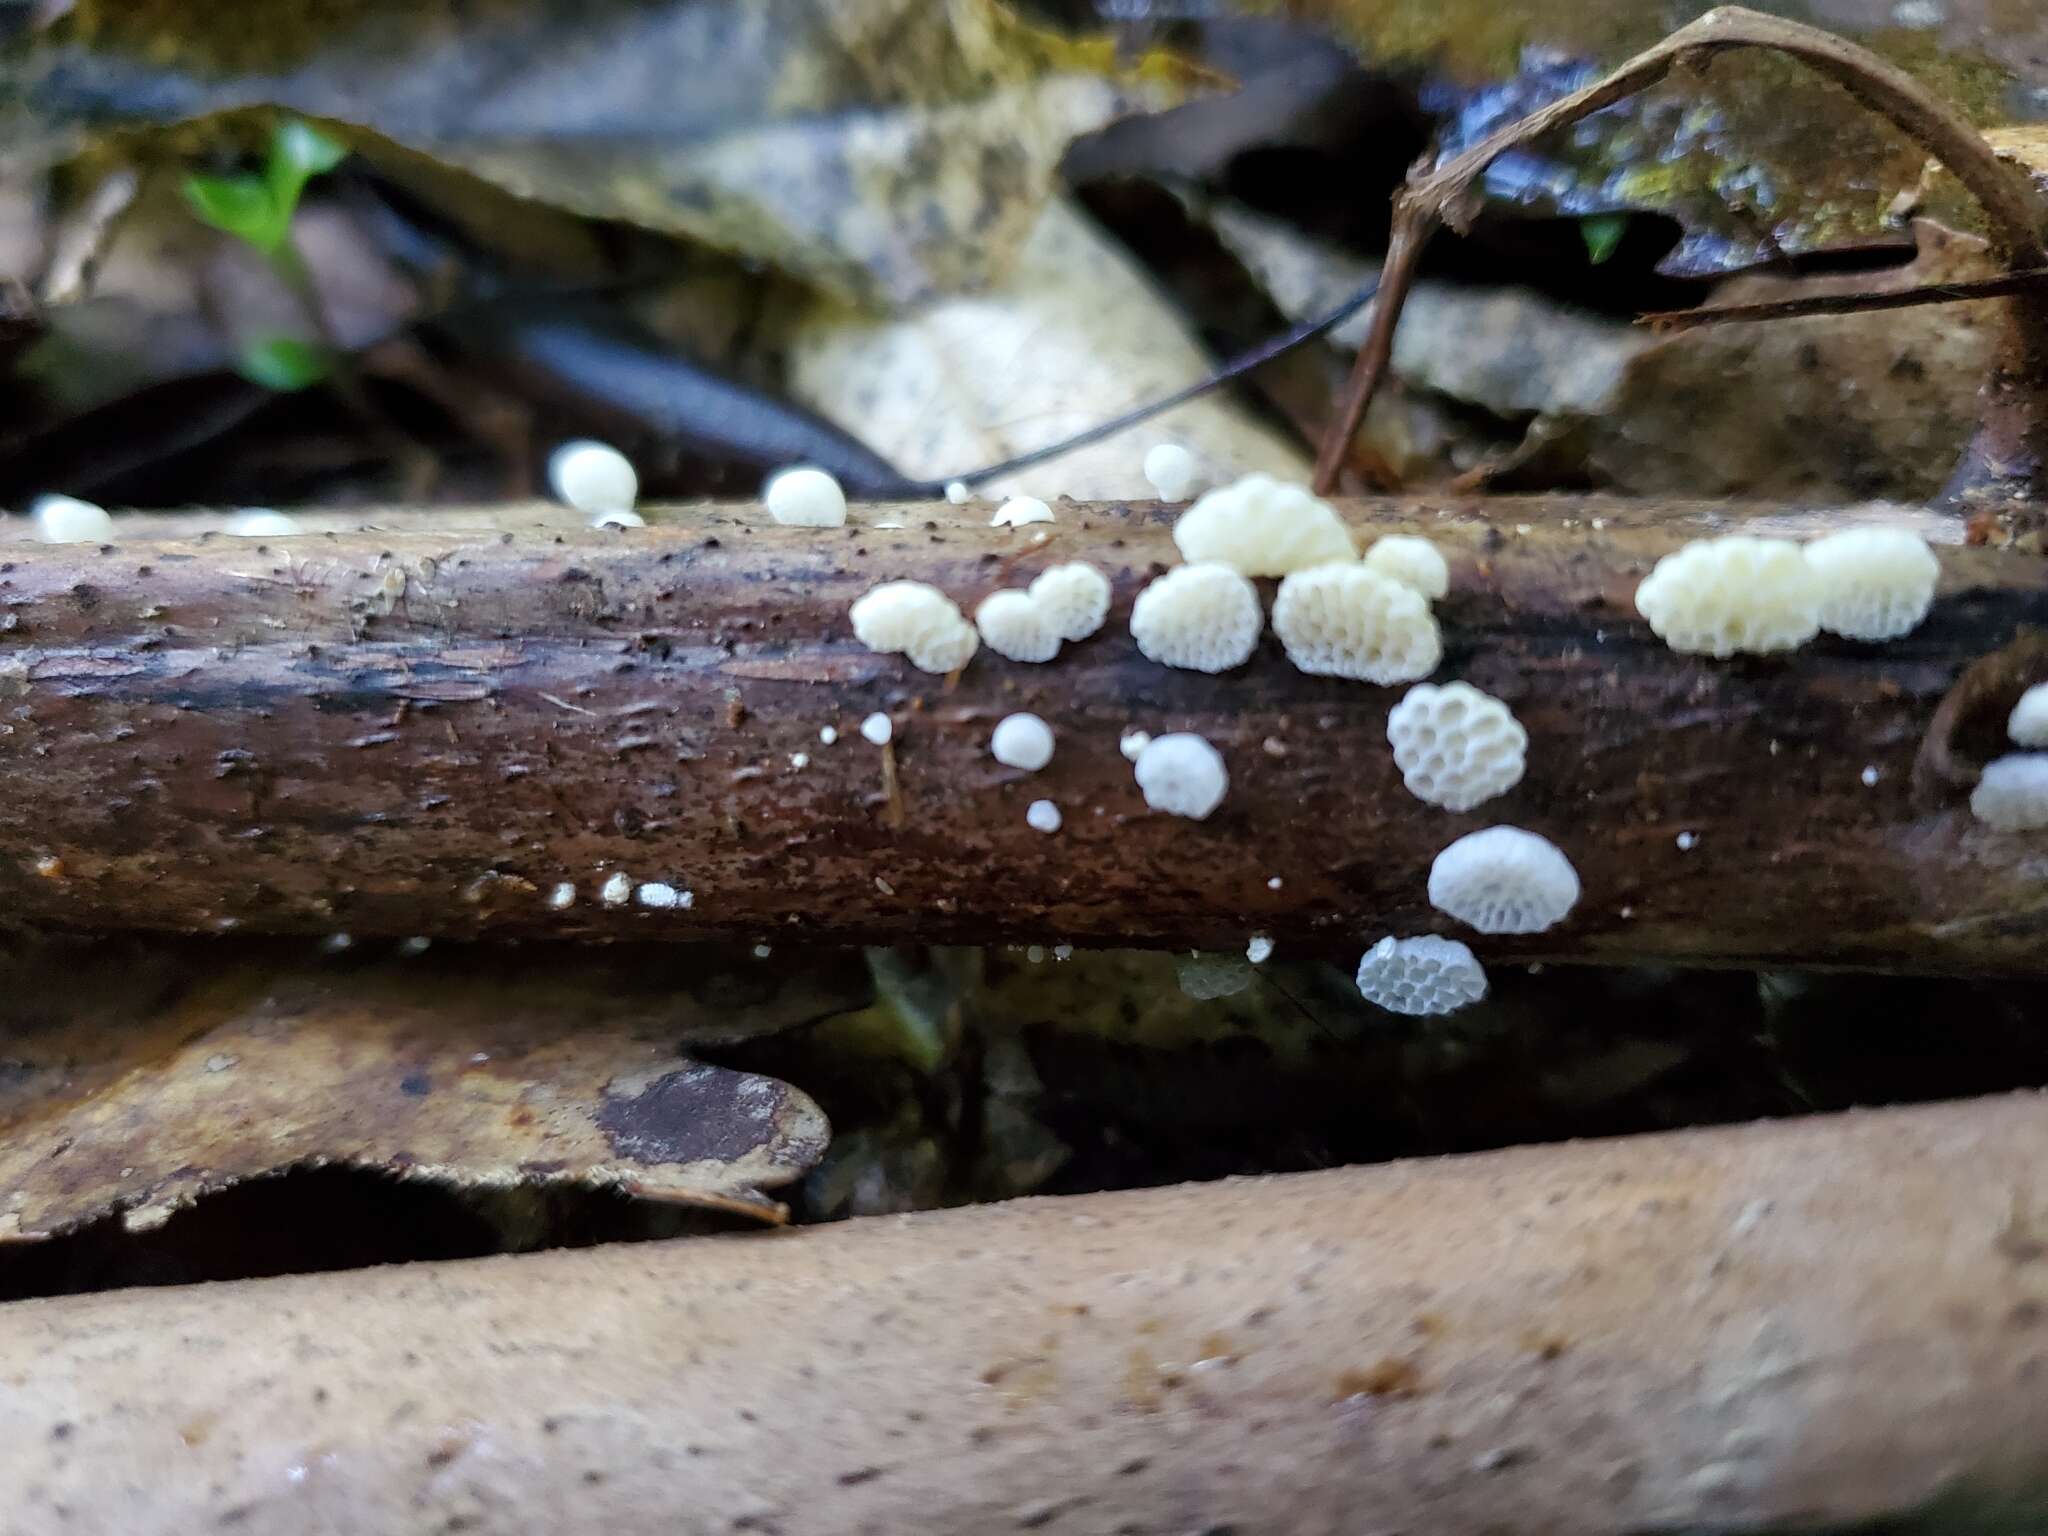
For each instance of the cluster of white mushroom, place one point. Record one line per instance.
(1063, 604)
(2012, 794)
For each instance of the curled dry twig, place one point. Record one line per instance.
(2012, 443)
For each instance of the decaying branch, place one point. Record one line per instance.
(469, 733)
(1798, 1326)
(2009, 456)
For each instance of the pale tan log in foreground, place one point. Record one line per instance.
(1790, 1325)
(477, 732)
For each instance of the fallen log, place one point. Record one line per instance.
(472, 731)
(1799, 1325)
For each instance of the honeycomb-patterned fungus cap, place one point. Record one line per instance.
(1412, 561)
(1456, 746)
(1074, 597)
(1260, 526)
(1201, 617)
(2012, 795)
(1504, 880)
(1875, 583)
(1425, 975)
(1017, 628)
(1716, 597)
(1347, 621)
(920, 621)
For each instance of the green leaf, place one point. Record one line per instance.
(284, 363)
(1602, 233)
(242, 206)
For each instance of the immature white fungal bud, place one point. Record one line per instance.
(593, 477)
(1174, 473)
(2028, 723)
(1182, 775)
(806, 498)
(67, 520)
(1021, 741)
(2012, 794)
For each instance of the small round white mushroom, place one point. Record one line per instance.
(593, 477)
(261, 523)
(1202, 617)
(615, 891)
(1875, 583)
(1716, 597)
(1412, 561)
(67, 520)
(1348, 621)
(828, 734)
(1259, 950)
(1173, 472)
(2027, 725)
(1074, 597)
(2012, 795)
(1504, 880)
(1021, 741)
(1422, 976)
(805, 497)
(1456, 746)
(877, 729)
(1042, 816)
(1132, 742)
(1260, 526)
(957, 492)
(1019, 510)
(1182, 774)
(918, 620)
(1016, 628)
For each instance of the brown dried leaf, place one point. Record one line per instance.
(138, 1080)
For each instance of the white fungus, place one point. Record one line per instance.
(1260, 526)
(828, 734)
(918, 620)
(67, 520)
(1173, 472)
(1015, 627)
(1021, 741)
(1456, 746)
(799, 760)
(622, 517)
(1875, 583)
(615, 891)
(1421, 976)
(1131, 743)
(1260, 950)
(2013, 793)
(1870, 775)
(1687, 841)
(1504, 880)
(806, 498)
(1042, 816)
(1348, 621)
(1182, 775)
(1202, 617)
(1412, 561)
(1019, 510)
(261, 523)
(2027, 725)
(1716, 597)
(593, 477)
(957, 492)
(877, 729)
(656, 893)
(1074, 596)
(1206, 977)
(563, 896)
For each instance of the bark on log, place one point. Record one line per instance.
(1787, 1326)
(430, 732)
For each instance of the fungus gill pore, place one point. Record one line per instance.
(1421, 976)
(1203, 617)
(1456, 746)
(1348, 621)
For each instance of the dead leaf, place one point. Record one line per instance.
(1073, 335)
(137, 1079)
(883, 150)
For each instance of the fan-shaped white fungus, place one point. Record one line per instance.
(2013, 793)
(620, 517)
(806, 498)
(918, 620)
(67, 520)
(1504, 880)
(1019, 510)
(1016, 627)
(2027, 725)
(877, 729)
(1421, 976)
(1719, 596)
(1021, 741)
(1348, 621)
(1173, 472)
(1260, 526)
(1203, 617)
(261, 523)
(1131, 743)
(1456, 746)
(1412, 561)
(593, 477)
(1182, 775)
(1042, 816)
(1875, 583)
(1074, 596)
